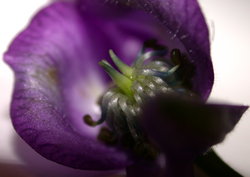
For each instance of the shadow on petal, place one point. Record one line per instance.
(41, 167)
(13, 170)
(185, 128)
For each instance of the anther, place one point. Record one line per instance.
(89, 121)
(122, 104)
(176, 56)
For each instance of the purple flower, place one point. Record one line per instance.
(58, 80)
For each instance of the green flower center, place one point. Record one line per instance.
(150, 74)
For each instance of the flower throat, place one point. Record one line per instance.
(149, 75)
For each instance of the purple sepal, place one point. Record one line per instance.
(184, 128)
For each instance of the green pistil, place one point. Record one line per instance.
(122, 82)
(124, 68)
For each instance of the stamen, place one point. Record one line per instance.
(164, 89)
(134, 85)
(138, 98)
(149, 92)
(157, 65)
(163, 69)
(89, 121)
(107, 136)
(104, 108)
(138, 88)
(113, 103)
(158, 80)
(140, 60)
(172, 70)
(123, 104)
(161, 74)
(151, 85)
(147, 72)
(176, 56)
(130, 114)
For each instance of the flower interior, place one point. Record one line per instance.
(149, 75)
(144, 111)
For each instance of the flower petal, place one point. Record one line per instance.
(185, 22)
(58, 80)
(145, 169)
(49, 70)
(184, 128)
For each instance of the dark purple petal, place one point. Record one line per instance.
(183, 20)
(58, 79)
(145, 169)
(173, 168)
(184, 128)
(51, 70)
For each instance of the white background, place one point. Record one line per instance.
(229, 23)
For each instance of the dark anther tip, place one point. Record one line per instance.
(89, 121)
(176, 56)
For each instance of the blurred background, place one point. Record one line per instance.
(229, 25)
